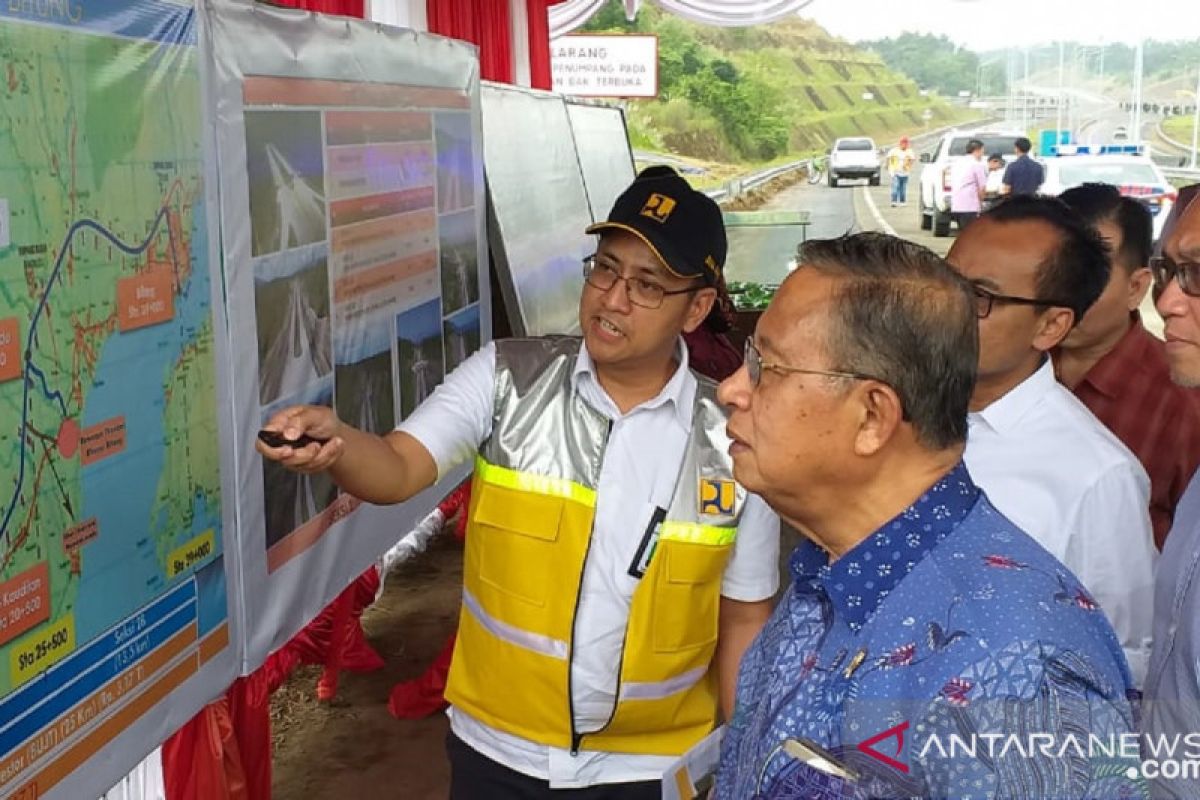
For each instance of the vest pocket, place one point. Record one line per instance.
(688, 595)
(517, 532)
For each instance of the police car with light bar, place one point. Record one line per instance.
(1125, 166)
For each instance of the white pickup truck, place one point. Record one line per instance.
(934, 204)
(854, 157)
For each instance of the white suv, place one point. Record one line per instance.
(854, 157)
(934, 204)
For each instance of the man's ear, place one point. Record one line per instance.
(701, 303)
(1053, 326)
(880, 414)
(1139, 284)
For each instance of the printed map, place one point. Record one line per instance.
(109, 469)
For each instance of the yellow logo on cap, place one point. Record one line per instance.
(717, 496)
(658, 207)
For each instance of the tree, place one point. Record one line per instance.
(934, 62)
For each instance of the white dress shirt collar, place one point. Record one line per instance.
(680, 390)
(1005, 413)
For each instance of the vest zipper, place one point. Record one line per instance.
(576, 736)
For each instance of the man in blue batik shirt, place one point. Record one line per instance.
(927, 646)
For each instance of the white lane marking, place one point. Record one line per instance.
(883, 223)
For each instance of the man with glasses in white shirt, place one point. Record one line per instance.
(614, 571)
(1043, 459)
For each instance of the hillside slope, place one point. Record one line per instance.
(756, 94)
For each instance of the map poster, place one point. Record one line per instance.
(352, 226)
(114, 621)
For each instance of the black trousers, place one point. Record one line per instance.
(474, 776)
(965, 218)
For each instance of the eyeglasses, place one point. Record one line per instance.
(985, 299)
(755, 366)
(1186, 273)
(647, 294)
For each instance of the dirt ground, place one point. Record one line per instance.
(352, 748)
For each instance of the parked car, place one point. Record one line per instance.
(1134, 174)
(934, 204)
(854, 157)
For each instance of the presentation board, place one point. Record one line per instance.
(538, 208)
(602, 143)
(117, 506)
(352, 227)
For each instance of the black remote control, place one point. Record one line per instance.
(277, 439)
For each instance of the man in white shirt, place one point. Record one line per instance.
(614, 571)
(1042, 458)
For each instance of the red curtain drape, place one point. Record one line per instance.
(539, 42)
(482, 22)
(347, 8)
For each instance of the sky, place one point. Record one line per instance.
(991, 24)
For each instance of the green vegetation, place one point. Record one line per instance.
(750, 296)
(1179, 128)
(761, 93)
(935, 62)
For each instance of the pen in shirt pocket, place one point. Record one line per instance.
(648, 544)
(813, 755)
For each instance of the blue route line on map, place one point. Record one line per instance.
(29, 365)
(55, 395)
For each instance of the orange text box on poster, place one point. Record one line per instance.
(371, 280)
(102, 440)
(10, 348)
(24, 601)
(145, 299)
(77, 536)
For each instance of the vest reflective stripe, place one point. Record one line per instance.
(696, 533)
(661, 689)
(546, 645)
(537, 484)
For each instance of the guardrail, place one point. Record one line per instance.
(735, 187)
(1181, 172)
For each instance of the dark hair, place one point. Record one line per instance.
(904, 316)
(1076, 271)
(1103, 202)
(973, 145)
(1022, 144)
(995, 157)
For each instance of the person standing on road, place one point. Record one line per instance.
(900, 160)
(614, 571)
(1023, 176)
(995, 180)
(968, 183)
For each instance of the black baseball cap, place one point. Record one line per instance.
(682, 226)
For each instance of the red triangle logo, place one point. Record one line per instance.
(895, 732)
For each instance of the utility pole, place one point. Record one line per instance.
(1135, 121)
(1196, 119)
(1010, 112)
(1025, 94)
(1058, 117)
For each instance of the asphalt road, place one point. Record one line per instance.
(764, 254)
